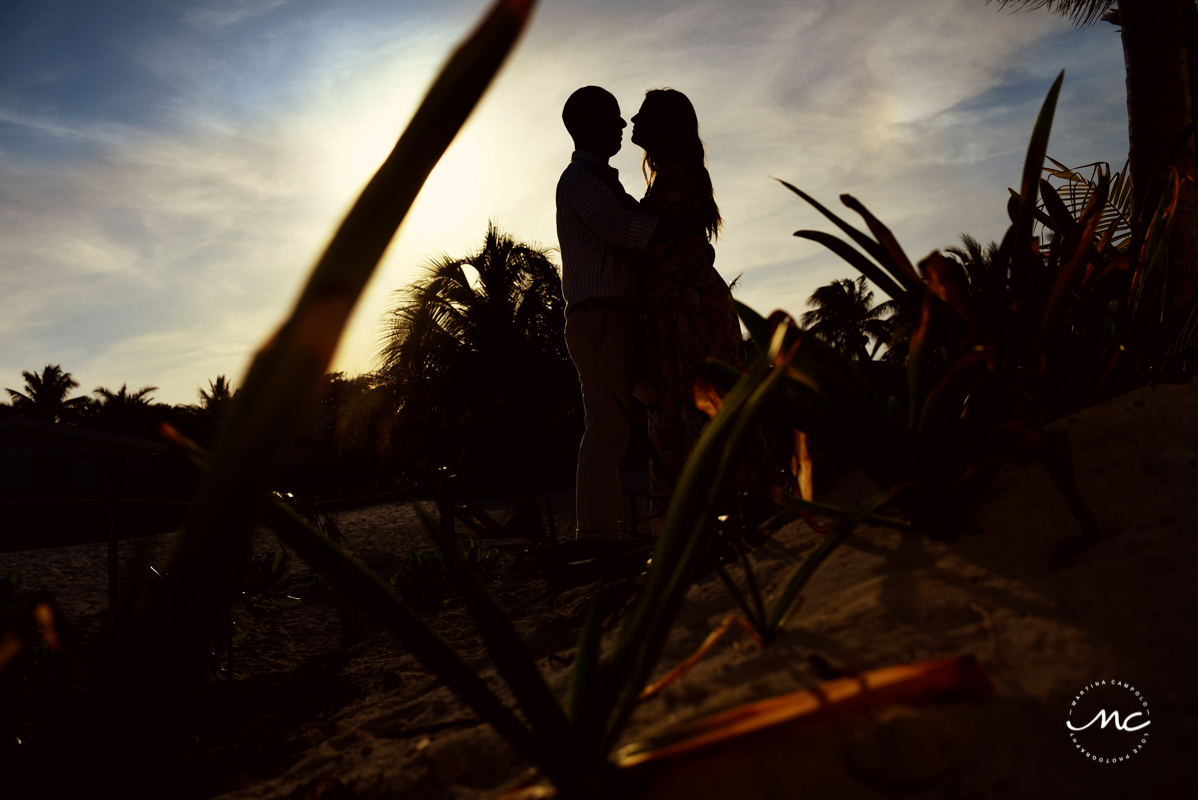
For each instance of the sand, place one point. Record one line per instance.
(1125, 611)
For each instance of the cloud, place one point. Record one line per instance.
(229, 12)
(163, 248)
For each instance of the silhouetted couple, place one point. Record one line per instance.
(644, 304)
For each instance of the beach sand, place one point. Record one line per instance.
(375, 723)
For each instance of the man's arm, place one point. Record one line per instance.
(604, 214)
(669, 227)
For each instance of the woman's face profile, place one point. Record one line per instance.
(646, 126)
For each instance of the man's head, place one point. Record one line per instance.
(592, 117)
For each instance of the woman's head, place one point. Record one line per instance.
(668, 129)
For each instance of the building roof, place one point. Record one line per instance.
(13, 424)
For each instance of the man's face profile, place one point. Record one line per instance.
(593, 118)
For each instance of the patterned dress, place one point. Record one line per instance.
(689, 318)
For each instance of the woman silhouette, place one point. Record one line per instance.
(688, 306)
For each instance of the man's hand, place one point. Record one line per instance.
(669, 228)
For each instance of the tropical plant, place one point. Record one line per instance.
(45, 395)
(571, 743)
(1126, 327)
(123, 398)
(268, 585)
(264, 586)
(130, 413)
(844, 316)
(761, 625)
(217, 397)
(972, 267)
(1158, 40)
(1075, 189)
(38, 677)
(967, 402)
(13, 599)
(423, 579)
(473, 362)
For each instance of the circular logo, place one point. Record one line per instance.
(1108, 722)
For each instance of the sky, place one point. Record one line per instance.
(169, 172)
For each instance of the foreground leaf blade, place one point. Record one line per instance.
(785, 602)
(281, 384)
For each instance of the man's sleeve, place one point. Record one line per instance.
(604, 214)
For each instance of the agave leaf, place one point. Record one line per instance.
(585, 666)
(940, 283)
(805, 407)
(738, 597)
(917, 366)
(758, 328)
(1037, 149)
(268, 415)
(785, 602)
(1062, 217)
(803, 468)
(370, 593)
(507, 649)
(935, 399)
(800, 504)
(875, 250)
(858, 261)
(1068, 272)
(902, 271)
(1020, 253)
(299, 583)
(861, 695)
(758, 617)
(705, 477)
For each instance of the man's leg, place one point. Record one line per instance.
(600, 344)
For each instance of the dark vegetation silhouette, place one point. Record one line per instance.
(125, 412)
(45, 396)
(474, 373)
(1160, 50)
(844, 316)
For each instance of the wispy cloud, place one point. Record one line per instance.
(163, 248)
(229, 12)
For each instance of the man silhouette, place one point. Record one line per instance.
(597, 224)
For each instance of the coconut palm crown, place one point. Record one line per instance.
(1079, 12)
(45, 395)
(471, 353)
(844, 316)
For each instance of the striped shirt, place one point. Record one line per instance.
(596, 222)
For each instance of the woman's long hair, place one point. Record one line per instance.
(681, 144)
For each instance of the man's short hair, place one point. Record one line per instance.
(584, 107)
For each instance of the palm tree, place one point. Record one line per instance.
(220, 393)
(983, 291)
(474, 365)
(45, 395)
(1160, 50)
(123, 398)
(125, 412)
(843, 315)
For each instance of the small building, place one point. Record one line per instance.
(50, 461)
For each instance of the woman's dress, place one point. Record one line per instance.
(689, 318)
